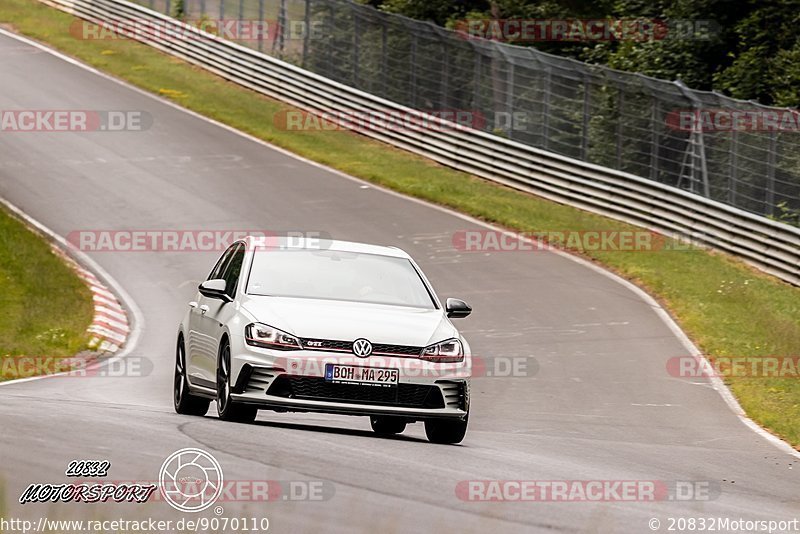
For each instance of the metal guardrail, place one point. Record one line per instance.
(769, 245)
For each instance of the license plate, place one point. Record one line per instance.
(367, 376)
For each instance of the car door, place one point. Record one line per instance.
(217, 313)
(199, 343)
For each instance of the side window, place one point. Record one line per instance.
(222, 263)
(233, 269)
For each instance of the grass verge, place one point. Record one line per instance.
(45, 309)
(728, 308)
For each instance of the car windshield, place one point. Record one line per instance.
(337, 275)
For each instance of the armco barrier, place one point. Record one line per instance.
(769, 245)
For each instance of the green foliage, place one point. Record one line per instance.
(752, 50)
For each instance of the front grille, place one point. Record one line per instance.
(316, 388)
(326, 344)
(400, 350)
(347, 346)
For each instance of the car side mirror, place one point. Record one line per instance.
(214, 289)
(457, 308)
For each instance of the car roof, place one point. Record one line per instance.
(315, 243)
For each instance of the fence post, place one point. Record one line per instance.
(476, 80)
(510, 98)
(306, 32)
(655, 145)
(734, 170)
(413, 65)
(260, 22)
(620, 122)
(384, 58)
(771, 156)
(356, 41)
(445, 73)
(279, 42)
(546, 109)
(586, 112)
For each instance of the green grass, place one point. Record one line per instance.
(725, 306)
(45, 308)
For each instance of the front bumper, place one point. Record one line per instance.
(295, 381)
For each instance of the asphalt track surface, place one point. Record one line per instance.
(597, 403)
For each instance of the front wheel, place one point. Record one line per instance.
(226, 408)
(445, 431)
(185, 402)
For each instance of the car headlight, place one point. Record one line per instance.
(449, 351)
(263, 335)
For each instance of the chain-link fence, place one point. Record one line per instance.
(621, 120)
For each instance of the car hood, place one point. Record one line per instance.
(347, 321)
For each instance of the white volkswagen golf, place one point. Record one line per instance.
(333, 326)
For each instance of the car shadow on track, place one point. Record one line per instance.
(338, 430)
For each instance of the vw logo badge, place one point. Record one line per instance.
(362, 348)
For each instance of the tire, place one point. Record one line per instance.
(226, 408)
(445, 431)
(185, 403)
(386, 424)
